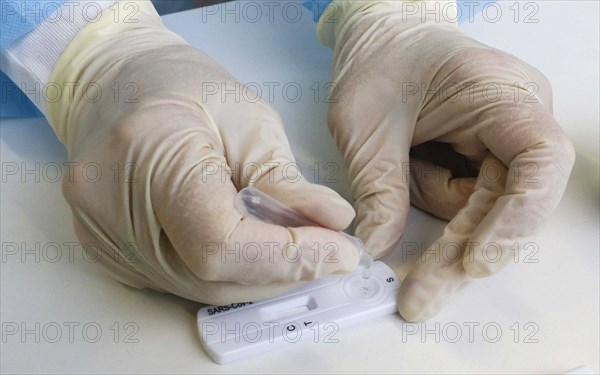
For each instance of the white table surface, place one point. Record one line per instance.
(555, 300)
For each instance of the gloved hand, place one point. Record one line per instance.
(149, 113)
(474, 123)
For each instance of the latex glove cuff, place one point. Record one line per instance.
(100, 47)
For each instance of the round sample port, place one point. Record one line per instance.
(364, 290)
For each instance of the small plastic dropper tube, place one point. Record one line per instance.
(364, 259)
(254, 203)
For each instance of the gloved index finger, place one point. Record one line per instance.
(440, 274)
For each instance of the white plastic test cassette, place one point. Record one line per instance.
(309, 313)
(312, 311)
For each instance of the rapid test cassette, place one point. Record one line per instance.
(311, 313)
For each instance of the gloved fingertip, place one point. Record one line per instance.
(412, 314)
(317, 203)
(324, 252)
(379, 238)
(477, 269)
(381, 219)
(331, 211)
(430, 287)
(345, 252)
(485, 258)
(410, 308)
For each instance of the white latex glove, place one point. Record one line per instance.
(407, 82)
(167, 220)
